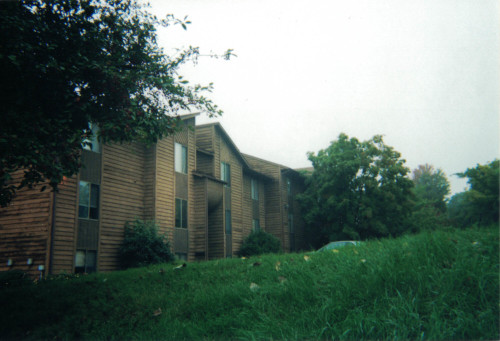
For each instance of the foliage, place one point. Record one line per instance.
(143, 245)
(69, 66)
(431, 186)
(480, 204)
(442, 285)
(358, 190)
(259, 242)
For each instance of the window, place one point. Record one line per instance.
(255, 189)
(85, 261)
(92, 143)
(88, 203)
(255, 224)
(290, 223)
(228, 222)
(180, 158)
(225, 173)
(288, 187)
(181, 210)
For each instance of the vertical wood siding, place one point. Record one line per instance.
(228, 155)
(273, 198)
(122, 198)
(65, 222)
(165, 190)
(24, 228)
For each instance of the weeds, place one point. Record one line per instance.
(435, 285)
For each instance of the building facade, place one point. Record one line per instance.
(202, 192)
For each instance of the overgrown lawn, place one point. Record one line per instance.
(435, 285)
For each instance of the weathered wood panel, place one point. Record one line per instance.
(122, 198)
(200, 221)
(205, 138)
(24, 229)
(65, 222)
(205, 163)
(273, 198)
(165, 186)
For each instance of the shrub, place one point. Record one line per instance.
(143, 245)
(259, 242)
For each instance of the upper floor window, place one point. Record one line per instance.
(288, 187)
(181, 213)
(225, 173)
(255, 189)
(180, 158)
(88, 201)
(92, 143)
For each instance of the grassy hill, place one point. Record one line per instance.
(439, 285)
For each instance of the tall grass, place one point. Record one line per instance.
(435, 285)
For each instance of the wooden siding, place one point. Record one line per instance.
(205, 138)
(24, 228)
(122, 198)
(165, 195)
(65, 222)
(200, 222)
(205, 163)
(228, 155)
(187, 137)
(273, 198)
(150, 183)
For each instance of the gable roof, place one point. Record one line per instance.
(230, 142)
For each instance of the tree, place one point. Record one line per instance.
(358, 190)
(480, 204)
(71, 65)
(431, 187)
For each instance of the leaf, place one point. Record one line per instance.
(282, 279)
(157, 312)
(254, 287)
(307, 258)
(183, 265)
(277, 266)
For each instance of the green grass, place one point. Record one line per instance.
(435, 285)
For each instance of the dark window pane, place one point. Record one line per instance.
(178, 212)
(184, 214)
(84, 200)
(83, 211)
(94, 202)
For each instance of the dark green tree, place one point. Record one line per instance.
(480, 204)
(70, 65)
(358, 190)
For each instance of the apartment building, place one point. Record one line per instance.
(199, 188)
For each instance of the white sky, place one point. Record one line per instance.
(425, 74)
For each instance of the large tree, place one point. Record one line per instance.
(480, 204)
(431, 187)
(357, 190)
(70, 65)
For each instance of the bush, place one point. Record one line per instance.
(259, 242)
(143, 245)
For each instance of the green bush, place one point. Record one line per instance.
(143, 245)
(259, 242)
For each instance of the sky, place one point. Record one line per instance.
(425, 74)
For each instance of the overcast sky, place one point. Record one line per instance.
(424, 73)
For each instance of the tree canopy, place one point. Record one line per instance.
(68, 66)
(480, 204)
(358, 190)
(431, 186)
